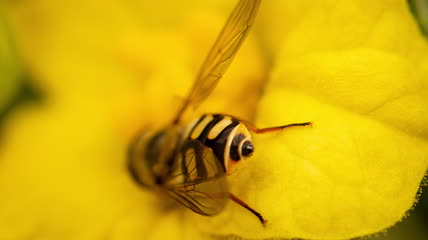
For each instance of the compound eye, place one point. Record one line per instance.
(247, 149)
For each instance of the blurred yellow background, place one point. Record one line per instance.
(80, 78)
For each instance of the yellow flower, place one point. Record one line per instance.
(356, 69)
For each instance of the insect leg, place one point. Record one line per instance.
(254, 129)
(243, 204)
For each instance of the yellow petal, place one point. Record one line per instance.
(49, 180)
(170, 69)
(361, 78)
(71, 177)
(355, 172)
(63, 175)
(83, 50)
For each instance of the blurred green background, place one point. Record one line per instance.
(15, 89)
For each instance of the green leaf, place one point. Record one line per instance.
(9, 66)
(419, 8)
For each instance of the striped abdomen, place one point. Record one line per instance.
(228, 138)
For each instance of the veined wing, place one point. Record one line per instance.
(222, 53)
(198, 180)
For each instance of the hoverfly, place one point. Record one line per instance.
(190, 162)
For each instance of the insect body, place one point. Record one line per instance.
(190, 162)
(227, 137)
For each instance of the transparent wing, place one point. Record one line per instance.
(198, 180)
(222, 53)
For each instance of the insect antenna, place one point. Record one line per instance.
(254, 129)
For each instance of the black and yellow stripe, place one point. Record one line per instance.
(227, 137)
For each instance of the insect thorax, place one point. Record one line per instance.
(154, 156)
(226, 136)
